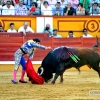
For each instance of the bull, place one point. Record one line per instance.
(62, 58)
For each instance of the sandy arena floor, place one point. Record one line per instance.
(75, 87)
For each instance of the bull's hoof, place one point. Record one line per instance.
(52, 82)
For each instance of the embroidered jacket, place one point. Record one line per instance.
(28, 47)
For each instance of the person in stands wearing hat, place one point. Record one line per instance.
(27, 48)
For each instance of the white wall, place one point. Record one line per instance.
(41, 23)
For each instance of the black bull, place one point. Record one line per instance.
(58, 60)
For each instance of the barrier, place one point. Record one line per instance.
(10, 42)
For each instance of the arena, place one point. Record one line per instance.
(71, 23)
(75, 87)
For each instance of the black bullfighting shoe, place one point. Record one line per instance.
(22, 81)
(13, 82)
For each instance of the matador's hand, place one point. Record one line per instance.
(48, 47)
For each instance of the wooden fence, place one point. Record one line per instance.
(10, 42)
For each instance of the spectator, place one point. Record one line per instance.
(95, 10)
(80, 10)
(5, 1)
(85, 34)
(28, 3)
(74, 3)
(86, 3)
(11, 28)
(55, 34)
(8, 9)
(94, 1)
(21, 9)
(52, 3)
(16, 2)
(69, 10)
(70, 34)
(63, 3)
(34, 10)
(46, 9)
(48, 30)
(1, 28)
(40, 3)
(13, 2)
(25, 29)
(58, 10)
(0, 7)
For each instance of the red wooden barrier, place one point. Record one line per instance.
(10, 42)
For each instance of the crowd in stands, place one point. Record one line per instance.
(22, 29)
(49, 7)
(48, 30)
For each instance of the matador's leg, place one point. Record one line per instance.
(17, 57)
(23, 70)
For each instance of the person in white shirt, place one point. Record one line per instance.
(46, 9)
(85, 34)
(8, 9)
(25, 29)
(21, 9)
(11, 28)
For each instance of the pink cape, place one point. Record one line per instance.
(32, 75)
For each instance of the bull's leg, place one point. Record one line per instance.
(62, 69)
(55, 77)
(96, 68)
(56, 74)
(61, 76)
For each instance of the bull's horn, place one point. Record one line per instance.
(42, 70)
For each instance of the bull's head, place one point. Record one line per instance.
(95, 47)
(45, 73)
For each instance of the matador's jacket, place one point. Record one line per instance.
(26, 48)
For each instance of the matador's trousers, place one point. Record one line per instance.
(19, 60)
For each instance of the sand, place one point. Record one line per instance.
(75, 87)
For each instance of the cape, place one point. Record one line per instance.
(32, 75)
